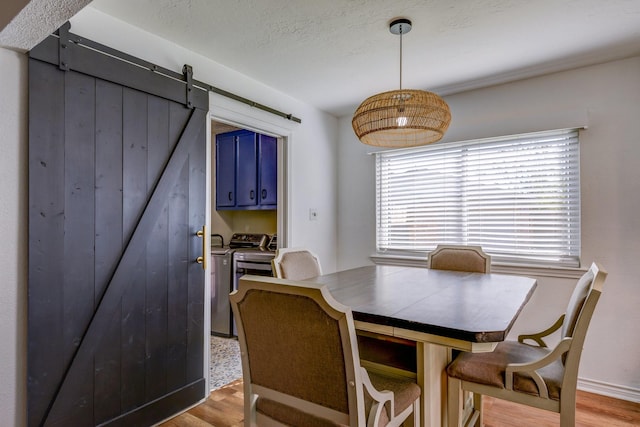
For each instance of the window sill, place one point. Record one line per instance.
(502, 268)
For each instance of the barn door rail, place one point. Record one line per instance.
(68, 41)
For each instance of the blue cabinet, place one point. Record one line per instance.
(268, 170)
(246, 171)
(225, 171)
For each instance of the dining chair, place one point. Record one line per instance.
(459, 258)
(534, 375)
(296, 264)
(300, 361)
(379, 353)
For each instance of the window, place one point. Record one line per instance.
(518, 197)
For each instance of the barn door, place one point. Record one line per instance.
(116, 197)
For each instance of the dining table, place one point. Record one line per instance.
(438, 310)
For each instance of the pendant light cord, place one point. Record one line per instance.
(400, 57)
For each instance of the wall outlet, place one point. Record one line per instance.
(313, 214)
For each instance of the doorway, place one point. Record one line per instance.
(226, 115)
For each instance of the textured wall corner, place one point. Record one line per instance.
(36, 21)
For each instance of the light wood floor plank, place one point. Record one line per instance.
(224, 409)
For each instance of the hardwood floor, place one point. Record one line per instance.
(224, 409)
(592, 410)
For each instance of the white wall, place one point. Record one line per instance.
(13, 232)
(606, 98)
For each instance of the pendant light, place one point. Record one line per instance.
(401, 118)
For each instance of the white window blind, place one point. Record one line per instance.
(518, 197)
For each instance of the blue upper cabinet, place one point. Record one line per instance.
(247, 167)
(268, 161)
(225, 171)
(246, 171)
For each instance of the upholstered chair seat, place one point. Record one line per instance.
(489, 368)
(405, 392)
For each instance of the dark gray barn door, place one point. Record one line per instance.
(116, 196)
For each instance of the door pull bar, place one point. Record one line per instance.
(203, 259)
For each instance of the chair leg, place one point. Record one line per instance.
(250, 401)
(467, 404)
(477, 406)
(455, 402)
(568, 411)
(414, 419)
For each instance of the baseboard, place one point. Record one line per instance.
(611, 390)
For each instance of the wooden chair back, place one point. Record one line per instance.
(300, 361)
(298, 349)
(576, 322)
(459, 258)
(296, 264)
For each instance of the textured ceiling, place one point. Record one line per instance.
(334, 53)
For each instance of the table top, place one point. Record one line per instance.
(474, 307)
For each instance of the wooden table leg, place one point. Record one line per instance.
(432, 379)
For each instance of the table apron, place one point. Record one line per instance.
(453, 343)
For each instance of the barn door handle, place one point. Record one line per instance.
(203, 259)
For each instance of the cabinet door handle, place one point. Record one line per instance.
(264, 194)
(230, 196)
(252, 194)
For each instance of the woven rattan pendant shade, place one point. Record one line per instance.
(404, 117)
(401, 118)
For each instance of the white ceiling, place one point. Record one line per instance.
(334, 53)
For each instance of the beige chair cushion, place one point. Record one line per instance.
(489, 368)
(299, 266)
(405, 393)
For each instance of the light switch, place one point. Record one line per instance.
(313, 214)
